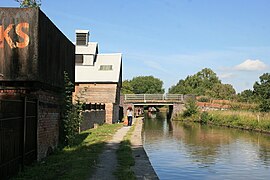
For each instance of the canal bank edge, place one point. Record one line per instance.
(142, 168)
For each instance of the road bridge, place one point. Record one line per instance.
(174, 101)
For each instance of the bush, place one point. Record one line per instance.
(205, 117)
(191, 108)
(204, 99)
(265, 105)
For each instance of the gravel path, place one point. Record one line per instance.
(108, 160)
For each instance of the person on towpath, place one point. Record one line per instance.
(129, 115)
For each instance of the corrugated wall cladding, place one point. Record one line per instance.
(32, 48)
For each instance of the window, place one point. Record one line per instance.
(79, 58)
(81, 38)
(105, 68)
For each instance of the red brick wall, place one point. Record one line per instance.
(109, 94)
(96, 93)
(49, 110)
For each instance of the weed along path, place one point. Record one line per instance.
(107, 160)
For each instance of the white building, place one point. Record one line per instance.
(98, 77)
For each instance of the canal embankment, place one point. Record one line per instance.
(143, 169)
(246, 120)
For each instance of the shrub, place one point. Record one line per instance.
(191, 108)
(204, 99)
(71, 117)
(205, 117)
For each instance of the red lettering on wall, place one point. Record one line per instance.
(22, 35)
(1, 37)
(4, 35)
(7, 38)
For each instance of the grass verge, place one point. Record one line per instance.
(74, 162)
(125, 158)
(235, 119)
(240, 119)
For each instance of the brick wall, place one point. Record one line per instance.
(96, 93)
(48, 121)
(91, 118)
(49, 113)
(109, 94)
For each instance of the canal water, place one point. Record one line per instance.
(180, 150)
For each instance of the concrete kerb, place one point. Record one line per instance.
(142, 168)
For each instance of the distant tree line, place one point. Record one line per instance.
(143, 85)
(206, 84)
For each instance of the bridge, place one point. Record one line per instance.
(154, 99)
(174, 101)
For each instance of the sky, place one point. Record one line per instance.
(171, 39)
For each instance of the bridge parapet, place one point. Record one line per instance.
(154, 97)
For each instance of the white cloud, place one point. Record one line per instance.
(251, 65)
(226, 75)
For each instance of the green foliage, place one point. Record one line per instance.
(205, 117)
(191, 108)
(265, 105)
(204, 99)
(241, 119)
(126, 87)
(125, 161)
(240, 106)
(262, 90)
(247, 96)
(203, 83)
(71, 114)
(29, 3)
(74, 162)
(222, 91)
(125, 158)
(143, 85)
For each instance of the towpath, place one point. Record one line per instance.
(108, 160)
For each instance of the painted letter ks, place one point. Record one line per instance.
(4, 35)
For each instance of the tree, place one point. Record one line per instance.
(208, 78)
(247, 96)
(29, 3)
(262, 90)
(146, 85)
(200, 84)
(180, 88)
(222, 91)
(126, 87)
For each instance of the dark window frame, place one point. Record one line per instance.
(106, 67)
(79, 58)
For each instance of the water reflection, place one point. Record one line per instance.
(194, 151)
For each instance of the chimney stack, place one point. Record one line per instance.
(82, 37)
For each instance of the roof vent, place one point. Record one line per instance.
(82, 37)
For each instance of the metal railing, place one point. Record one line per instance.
(153, 97)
